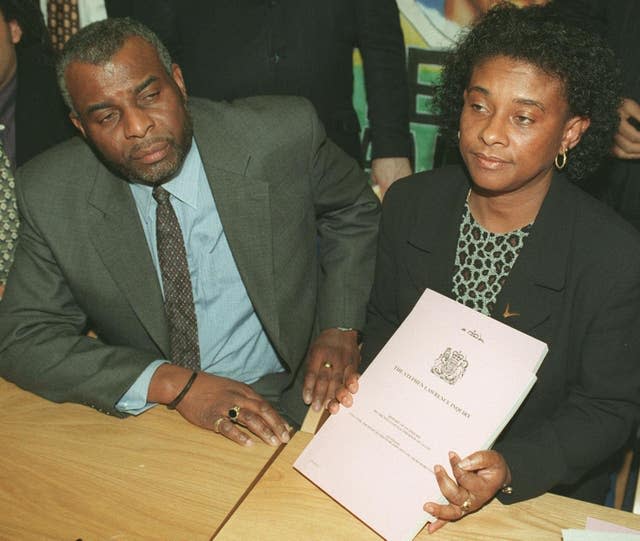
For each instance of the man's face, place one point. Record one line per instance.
(10, 34)
(133, 112)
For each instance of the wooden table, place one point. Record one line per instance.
(283, 505)
(68, 472)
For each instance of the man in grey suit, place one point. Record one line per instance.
(278, 225)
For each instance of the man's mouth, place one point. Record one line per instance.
(152, 153)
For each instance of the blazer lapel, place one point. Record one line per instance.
(120, 241)
(431, 250)
(243, 204)
(531, 290)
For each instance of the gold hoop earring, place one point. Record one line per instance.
(458, 135)
(563, 161)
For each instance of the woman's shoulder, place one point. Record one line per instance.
(599, 223)
(602, 238)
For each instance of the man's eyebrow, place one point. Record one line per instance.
(97, 107)
(144, 84)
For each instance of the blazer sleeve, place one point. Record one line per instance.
(43, 343)
(381, 45)
(347, 215)
(603, 387)
(383, 317)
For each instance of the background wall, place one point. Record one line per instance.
(430, 27)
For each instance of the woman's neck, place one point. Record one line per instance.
(501, 213)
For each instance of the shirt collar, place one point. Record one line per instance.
(185, 185)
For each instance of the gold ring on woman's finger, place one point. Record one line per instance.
(466, 505)
(216, 425)
(234, 413)
(327, 364)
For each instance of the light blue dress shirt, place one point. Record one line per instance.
(233, 343)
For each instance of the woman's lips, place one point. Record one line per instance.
(489, 162)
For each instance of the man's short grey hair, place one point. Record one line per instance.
(98, 42)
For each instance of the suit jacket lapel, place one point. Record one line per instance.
(243, 204)
(120, 241)
(432, 249)
(539, 273)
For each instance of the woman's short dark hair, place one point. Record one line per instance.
(580, 60)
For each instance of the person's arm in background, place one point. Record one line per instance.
(626, 143)
(381, 45)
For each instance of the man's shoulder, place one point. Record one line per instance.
(256, 108)
(258, 126)
(59, 165)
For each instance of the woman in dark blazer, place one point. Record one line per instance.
(509, 235)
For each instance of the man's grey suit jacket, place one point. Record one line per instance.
(299, 216)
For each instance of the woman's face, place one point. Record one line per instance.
(514, 122)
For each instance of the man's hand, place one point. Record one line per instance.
(385, 171)
(627, 139)
(344, 393)
(332, 357)
(477, 480)
(209, 400)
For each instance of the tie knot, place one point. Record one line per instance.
(160, 195)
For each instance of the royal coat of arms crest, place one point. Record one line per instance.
(450, 366)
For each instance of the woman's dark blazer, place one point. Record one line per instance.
(575, 285)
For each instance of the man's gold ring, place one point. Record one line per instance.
(327, 364)
(466, 505)
(216, 425)
(234, 413)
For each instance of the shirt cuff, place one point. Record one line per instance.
(134, 401)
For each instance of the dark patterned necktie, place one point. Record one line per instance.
(178, 296)
(8, 215)
(63, 21)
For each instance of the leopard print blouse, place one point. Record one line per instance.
(483, 262)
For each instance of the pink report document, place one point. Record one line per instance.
(449, 379)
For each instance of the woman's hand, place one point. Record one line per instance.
(344, 394)
(477, 480)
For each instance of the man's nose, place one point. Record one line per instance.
(137, 122)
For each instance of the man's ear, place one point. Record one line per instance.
(176, 73)
(15, 31)
(73, 116)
